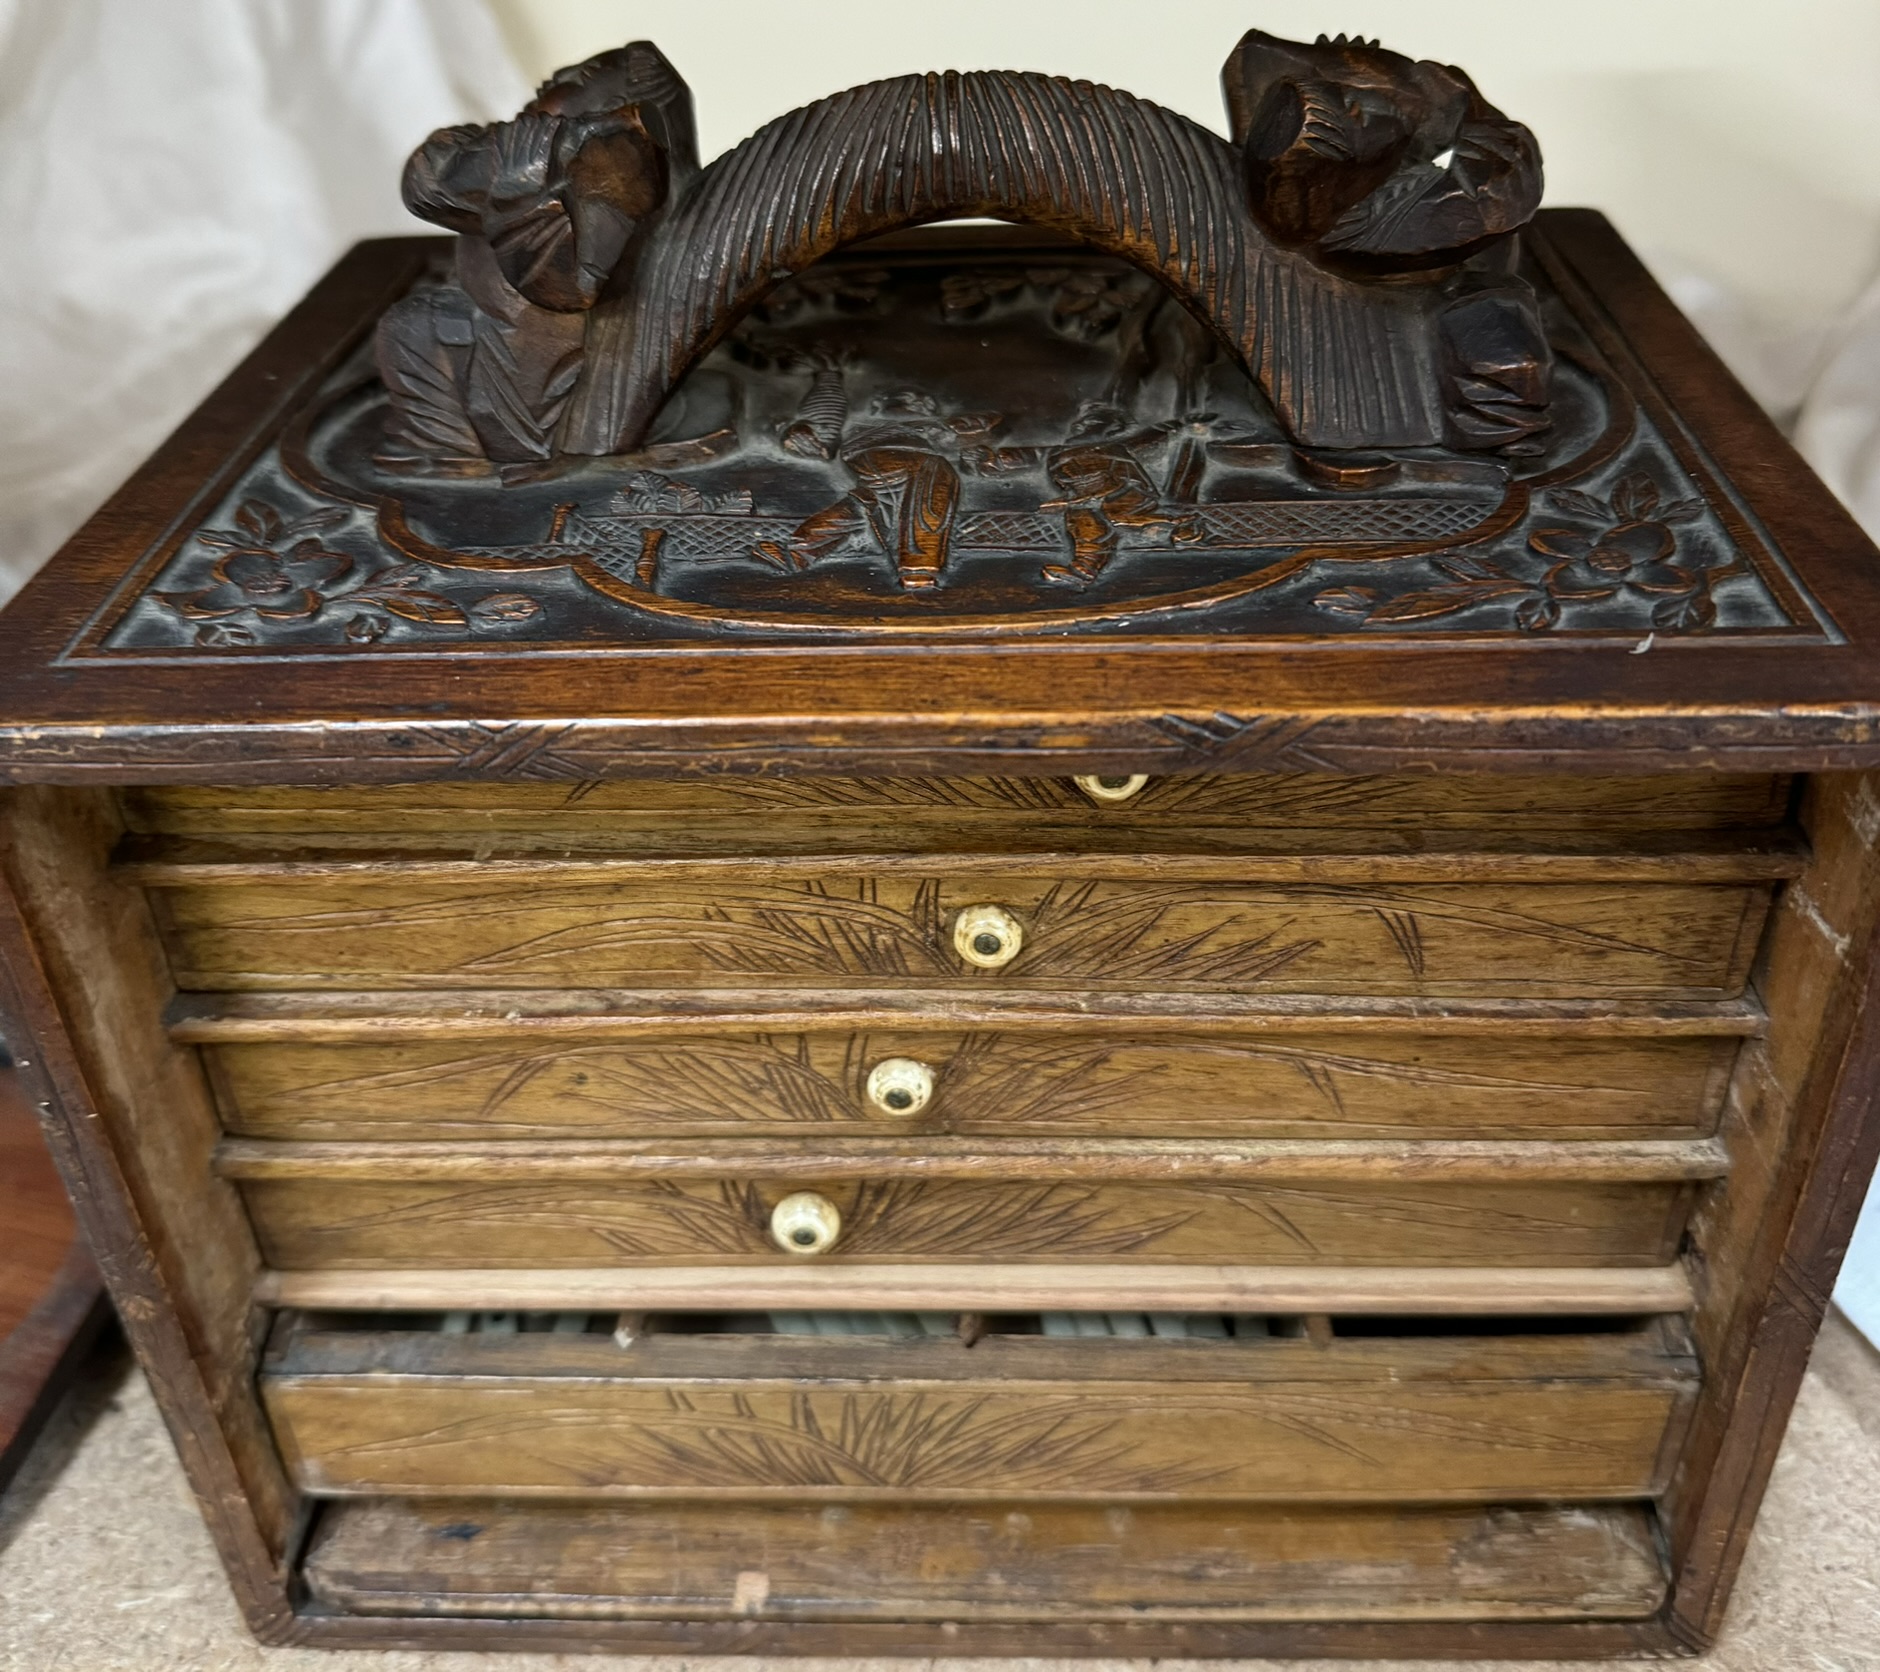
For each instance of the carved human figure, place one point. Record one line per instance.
(1376, 163)
(906, 494)
(545, 206)
(1104, 488)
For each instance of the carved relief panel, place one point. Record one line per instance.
(1321, 380)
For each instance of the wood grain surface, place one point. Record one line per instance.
(819, 1418)
(1016, 1562)
(1122, 1081)
(378, 929)
(311, 1223)
(759, 811)
(814, 1285)
(1803, 1137)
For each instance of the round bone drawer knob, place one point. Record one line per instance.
(987, 936)
(1110, 788)
(805, 1223)
(900, 1086)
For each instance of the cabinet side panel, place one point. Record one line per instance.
(83, 986)
(1803, 1141)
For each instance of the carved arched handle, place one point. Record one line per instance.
(1117, 171)
(1351, 306)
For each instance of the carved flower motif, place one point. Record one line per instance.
(1633, 548)
(1635, 551)
(285, 586)
(275, 570)
(1637, 548)
(273, 567)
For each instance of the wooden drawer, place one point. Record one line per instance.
(1027, 1560)
(753, 814)
(385, 1205)
(485, 925)
(1424, 1418)
(390, 1077)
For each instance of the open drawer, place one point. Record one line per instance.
(1398, 1410)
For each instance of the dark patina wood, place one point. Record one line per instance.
(421, 701)
(1101, 904)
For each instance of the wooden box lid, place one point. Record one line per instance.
(958, 498)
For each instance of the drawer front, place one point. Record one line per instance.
(1110, 1083)
(805, 1419)
(1075, 1562)
(383, 930)
(756, 810)
(311, 1222)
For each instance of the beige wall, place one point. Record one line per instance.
(1738, 139)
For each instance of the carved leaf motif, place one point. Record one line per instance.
(1578, 504)
(1694, 612)
(1090, 933)
(316, 522)
(367, 628)
(764, 1079)
(911, 1440)
(1448, 600)
(501, 608)
(259, 521)
(1347, 600)
(400, 575)
(1464, 566)
(990, 1080)
(1536, 615)
(1004, 1221)
(223, 634)
(1635, 498)
(1564, 543)
(427, 607)
(1408, 934)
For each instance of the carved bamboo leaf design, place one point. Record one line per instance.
(760, 1079)
(992, 1080)
(911, 1440)
(1239, 935)
(1408, 934)
(1462, 908)
(1089, 931)
(966, 1220)
(727, 1218)
(892, 1439)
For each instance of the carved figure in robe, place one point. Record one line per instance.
(1104, 488)
(1378, 164)
(545, 207)
(906, 495)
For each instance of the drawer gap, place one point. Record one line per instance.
(1079, 1324)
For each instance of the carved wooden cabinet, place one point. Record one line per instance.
(751, 927)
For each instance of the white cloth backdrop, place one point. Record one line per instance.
(175, 173)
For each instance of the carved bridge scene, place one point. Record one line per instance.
(1323, 378)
